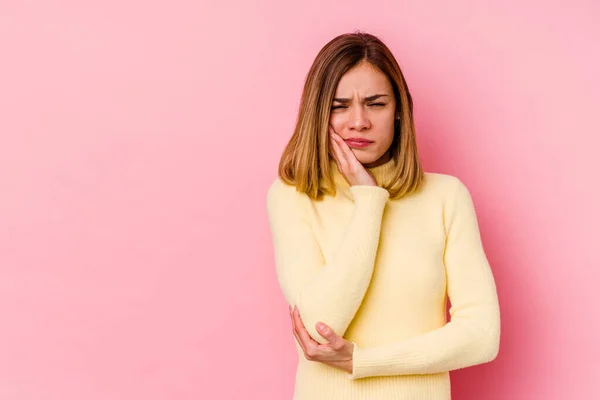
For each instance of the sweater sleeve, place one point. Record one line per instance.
(324, 292)
(473, 334)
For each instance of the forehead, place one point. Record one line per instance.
(364, 79)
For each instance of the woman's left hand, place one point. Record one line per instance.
(336, 353)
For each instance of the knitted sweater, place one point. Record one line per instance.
(379, 272)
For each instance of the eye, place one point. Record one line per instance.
(336, 107)
(377, 104)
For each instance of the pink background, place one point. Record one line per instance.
(138, 140)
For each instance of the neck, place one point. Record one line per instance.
(381, 160)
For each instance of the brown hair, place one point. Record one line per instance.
(305, 161)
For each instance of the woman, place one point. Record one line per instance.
(368, 246)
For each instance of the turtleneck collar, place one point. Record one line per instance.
(381, 172)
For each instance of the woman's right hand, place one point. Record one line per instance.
(352, 170)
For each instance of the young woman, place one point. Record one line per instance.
(368, 246)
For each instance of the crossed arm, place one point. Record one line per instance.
(473, 334)
(332, 292)
(470, 338)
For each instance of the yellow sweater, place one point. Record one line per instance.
(378, 272)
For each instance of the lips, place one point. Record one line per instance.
(358, 140)
(358, 143)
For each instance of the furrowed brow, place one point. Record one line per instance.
(347, 100)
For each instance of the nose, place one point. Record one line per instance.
(358, 119)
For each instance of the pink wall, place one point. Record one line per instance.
(138, 140)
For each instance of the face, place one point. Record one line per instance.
(364, 109)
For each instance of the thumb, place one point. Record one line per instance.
(328, 333)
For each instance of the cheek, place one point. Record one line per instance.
(386, 127)
(386, 136)
(337, 121)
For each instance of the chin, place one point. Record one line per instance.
(365, 158)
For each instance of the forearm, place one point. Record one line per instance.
(459, 344)
(473, 334)
(335, 293)
(325, 288)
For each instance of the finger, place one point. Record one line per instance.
(295, 332)
(310, 343)
(338, 157)
(337, 140)
(338, 153)
(308, 354)
(334, 339)
(330, 142)
(335, 152)
(347, 152)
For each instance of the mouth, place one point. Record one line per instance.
(358, 143)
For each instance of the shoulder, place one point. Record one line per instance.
(449, 191)
(280, 193)
(455, 196)
(278, 188)
(445, 186)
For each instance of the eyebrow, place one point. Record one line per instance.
(347, 100)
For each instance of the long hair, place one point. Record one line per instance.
(305, 161)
